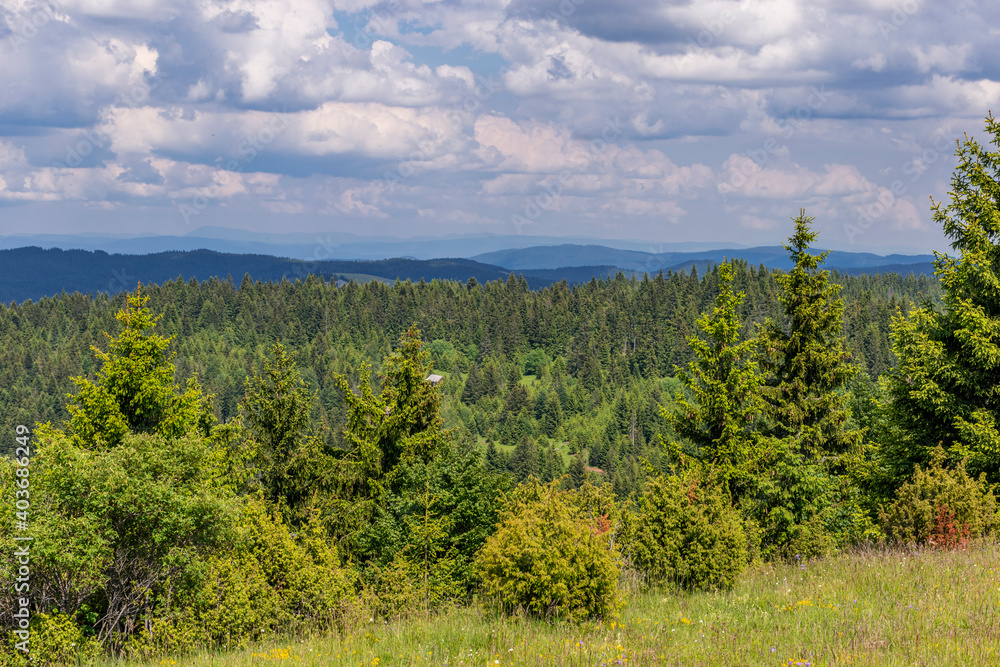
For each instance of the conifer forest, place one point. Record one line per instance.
(208, 465)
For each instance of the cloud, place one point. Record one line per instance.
(409, 112)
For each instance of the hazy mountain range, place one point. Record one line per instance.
(104, 263)
(325, 245)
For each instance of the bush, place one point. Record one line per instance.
(55, 640)
(270, 581)
(940, 506)
(546, 559)
(688, 533)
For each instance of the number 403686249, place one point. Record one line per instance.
(22, 453)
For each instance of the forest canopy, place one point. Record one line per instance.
(231, 463)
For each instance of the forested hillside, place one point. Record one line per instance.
(209, 465)
(34, 273)
(589, 344)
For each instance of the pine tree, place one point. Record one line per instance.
(402, 422)
(553, 414)
(496, 460)
(946, 389)
(578, 470)
(473, 385)
(275, 411)
(134, 390)
(516, 399)
(524, 462)
(805, 359)
(724, 381)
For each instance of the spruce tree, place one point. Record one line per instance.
(275, 411)
(402, 422)
(805, 358)
(946, 389)
(578, 470)
(473, 385)
(524, 462)
(553, 414)
(134, 391)
(496, 461)
(724, 383)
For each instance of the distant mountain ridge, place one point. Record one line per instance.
(318, 245)
(775, 257)
(33, 273)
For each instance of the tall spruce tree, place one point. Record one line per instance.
(275, 412)
(724, 383)
(946, 389)
(805, 357)
(402, 422)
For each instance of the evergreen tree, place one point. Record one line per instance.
(473, 385)
(946, 389)
(524, 462)
(553, 468)
(402, 422)
(134, 391)
(578, 470)
(490, 383)
(275, 412)
(516, 399)
(725, 383)
(553, 414)
(496, 460)
(806, 362)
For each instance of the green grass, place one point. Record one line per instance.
(888, 607)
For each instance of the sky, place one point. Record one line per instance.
(653, 120)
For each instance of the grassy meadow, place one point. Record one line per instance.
(866, 607)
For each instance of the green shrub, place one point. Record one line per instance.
(689, 533)
(940, 506)
(270, 581)
(55, 640)
(810, 539)
(548, 560)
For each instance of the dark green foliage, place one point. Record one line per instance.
(945, 390)
(806, 368)
(134, 391)
(805, 360)
(276, 410)
(496, 461)
(402, 422)
(117, 525)
(526, 461)
(223, 327)
(578, 470)
(724, 383)
(689, 533)
(448, 505)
